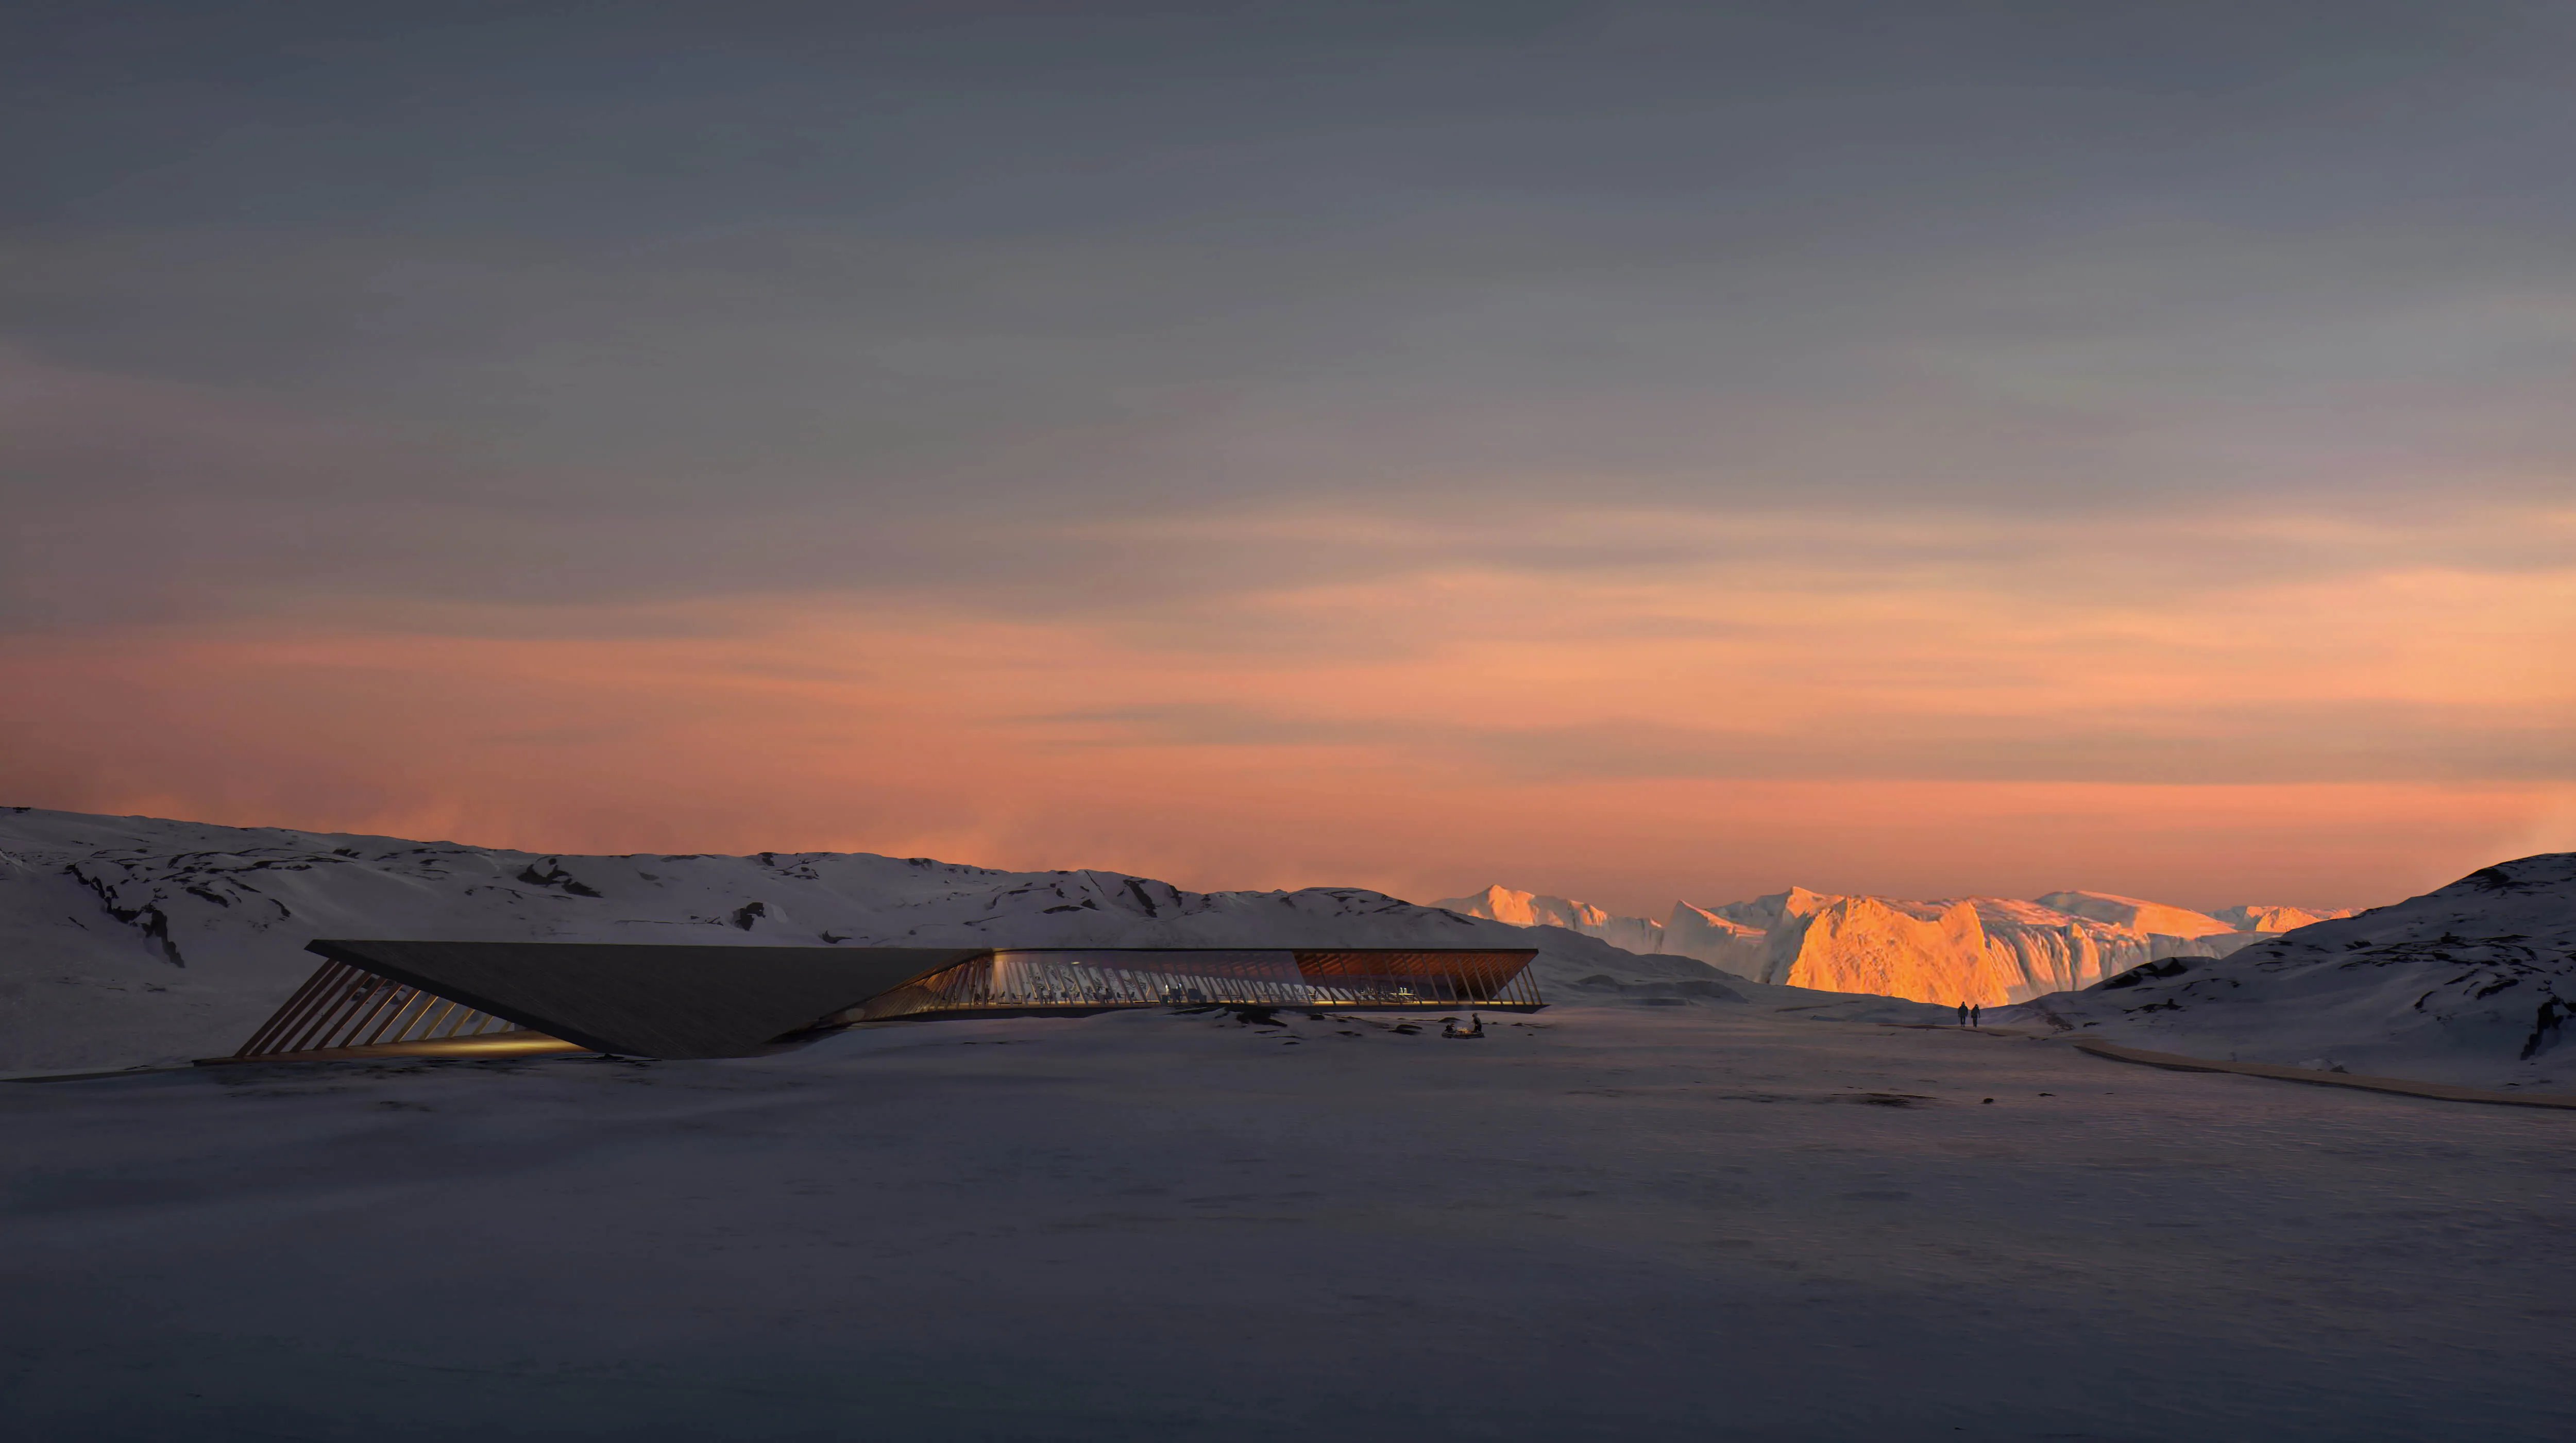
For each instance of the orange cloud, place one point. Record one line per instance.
(1873, 722)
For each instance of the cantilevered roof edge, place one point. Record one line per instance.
(652, 1000)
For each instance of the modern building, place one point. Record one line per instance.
(501, 999)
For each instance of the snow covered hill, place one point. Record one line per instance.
(2472, 983)
(1989, 950)
(127, 940)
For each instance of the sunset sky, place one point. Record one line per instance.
(1634, 451)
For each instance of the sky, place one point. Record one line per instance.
(1632, 451)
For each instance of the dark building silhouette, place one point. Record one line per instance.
(498, 999)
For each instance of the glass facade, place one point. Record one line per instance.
(1020, 979)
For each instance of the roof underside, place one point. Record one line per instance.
(649, 1001)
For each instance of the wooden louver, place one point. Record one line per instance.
(343, 1012)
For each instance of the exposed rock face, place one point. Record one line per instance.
(1986, 950)
(128, 940)
(2473, 983)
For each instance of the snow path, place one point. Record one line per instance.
(1693, 1222)
(2177, 1062)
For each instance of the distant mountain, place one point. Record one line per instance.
(1987, 950)
(1728, 943)
(1531, 909)
(2147, 919)
(2277, 919)
(127, 940)
(2473, 983)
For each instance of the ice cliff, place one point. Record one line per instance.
(1987, 950)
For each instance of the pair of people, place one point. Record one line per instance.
(1970, 1013)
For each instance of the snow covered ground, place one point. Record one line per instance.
(1696, 1221)
(2471, 983)
(1677, 1204)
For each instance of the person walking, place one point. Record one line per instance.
(1976, 1014)
(1963, 1014)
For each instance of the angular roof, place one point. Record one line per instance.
(645, 1000)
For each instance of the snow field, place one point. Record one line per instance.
(1608, 1221)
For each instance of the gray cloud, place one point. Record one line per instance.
(313, 310)
(2203, 743)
